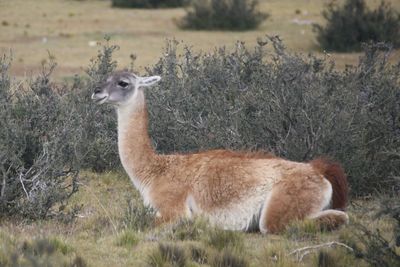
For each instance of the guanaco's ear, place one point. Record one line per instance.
(147, 81)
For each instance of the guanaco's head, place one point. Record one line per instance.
(121, 87)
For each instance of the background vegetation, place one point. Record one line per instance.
(71, 30)
(223, 15)
(350, 25)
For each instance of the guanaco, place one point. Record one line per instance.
(237, 191)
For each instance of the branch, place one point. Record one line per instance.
(23, 186)
(302, 252)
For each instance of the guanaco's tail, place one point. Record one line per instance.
(336, 176)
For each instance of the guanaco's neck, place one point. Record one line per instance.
(135, 148)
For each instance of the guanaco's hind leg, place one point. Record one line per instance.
(297, 199)
(330, 219)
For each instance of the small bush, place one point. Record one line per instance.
(223, 15)
(39, 145)
(147, 3)
(48, 133)
(350, 25)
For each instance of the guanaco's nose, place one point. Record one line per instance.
(97, 90)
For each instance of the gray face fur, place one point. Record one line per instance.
(120, 87)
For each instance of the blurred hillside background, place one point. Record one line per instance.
(70, 29)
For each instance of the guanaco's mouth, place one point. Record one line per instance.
(100, 100)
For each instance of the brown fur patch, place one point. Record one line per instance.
(336, 176)
(238, 154)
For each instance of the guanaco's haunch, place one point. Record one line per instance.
(237, 191)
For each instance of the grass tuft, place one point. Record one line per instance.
(302, 230)
(227, 259)
(186, 229)
(137, 216)
(167, 254)
(127, 238)
(38, 252)
(325, 259)
(222, 239)
(199, 255)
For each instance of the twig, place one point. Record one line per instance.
(3, 187)
(23, 186)
(302, 252)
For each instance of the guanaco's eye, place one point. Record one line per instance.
(123, 84)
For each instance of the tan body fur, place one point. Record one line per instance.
(233, 190)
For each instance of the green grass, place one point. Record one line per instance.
(127, 238)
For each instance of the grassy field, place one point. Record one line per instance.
(101, 236)
(70, 29)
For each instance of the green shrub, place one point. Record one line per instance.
(48, 133)
(223, 15)
(147, 3)
(39, 145)
(350, 25)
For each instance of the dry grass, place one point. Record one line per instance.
(31, 28)
(100, 237)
